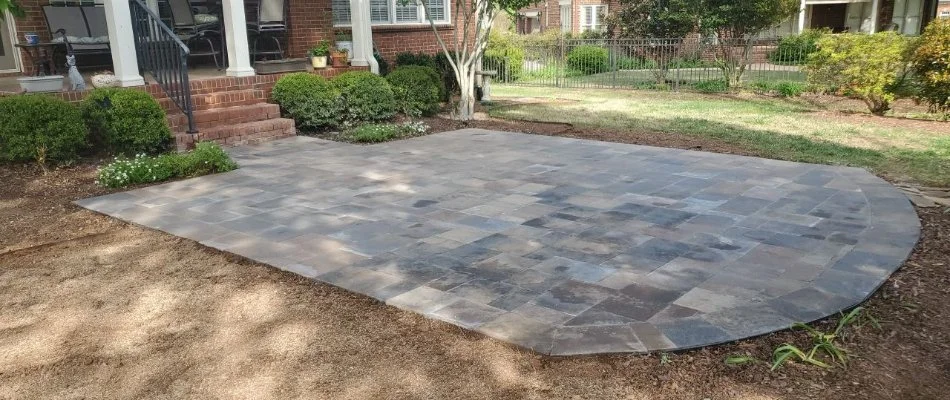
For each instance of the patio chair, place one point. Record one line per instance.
(196, 28)
(267, 21)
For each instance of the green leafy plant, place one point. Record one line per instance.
(794, 49)
(588, 59)
(781, 88)
(740, 360)
(823, 343)
(712, 86)
(418, 89)
(660, 22)
(322, 49)
(504, 55)
(206, 158)
(126, 121)
(376, 133)
(365, 97)
(311, 100)
(867, 67)
(13, 7)
(40, 128)
(931, 65)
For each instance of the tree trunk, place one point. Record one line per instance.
(466, 106)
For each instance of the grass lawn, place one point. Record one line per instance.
(806, 129)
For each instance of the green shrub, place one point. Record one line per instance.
(410, 58)
(588, 59)
(206, 158)
(439, 62)
(712, 86)
(126, 121)
(365, 96)
(863, 66)
(383, 65)
(41, 128)
(504, 55)
(418, 89)
(794, 49)
(781, 88)
(376, 133)
(931, 64)
(309, 99)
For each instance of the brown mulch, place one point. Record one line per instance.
(93, 307)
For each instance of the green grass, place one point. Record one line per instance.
(644, 78)
(786, 129)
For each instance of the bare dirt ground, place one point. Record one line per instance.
(93, 307)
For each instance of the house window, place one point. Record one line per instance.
(592, 17)
(566, 18)
(393, 12)
(945, 14)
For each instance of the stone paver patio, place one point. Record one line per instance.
(560, 245)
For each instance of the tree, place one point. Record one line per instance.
(931, 61)
(12, 6)
(660, 23)
(473, 21)
(736, 24)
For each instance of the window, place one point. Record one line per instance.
(566, 18)
(945, 14)
(592, 17)
(393, 12)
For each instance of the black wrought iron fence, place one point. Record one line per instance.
(650, 63)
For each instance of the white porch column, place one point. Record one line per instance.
(235, 31)
(875, 14)
(125, 63)
(801, 17)
(362, 32)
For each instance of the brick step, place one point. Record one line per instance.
(209, 101)
(240, 134)
(205, 119)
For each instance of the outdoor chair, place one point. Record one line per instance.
(267, 21)
(196, 29)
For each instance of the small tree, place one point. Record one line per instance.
(473, 21)
(931, 63)
(866, 67)
(660, 23)
(736, 23)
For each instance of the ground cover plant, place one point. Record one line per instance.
(787, 129)
(206, 158)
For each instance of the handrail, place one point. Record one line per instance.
(161, 53)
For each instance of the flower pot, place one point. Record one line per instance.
(31, 38)
(339, 60)
(345, 45)
(318, 62)
(51, 83)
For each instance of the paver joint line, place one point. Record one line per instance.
(559, 245)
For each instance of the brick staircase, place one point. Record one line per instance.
(229, 117)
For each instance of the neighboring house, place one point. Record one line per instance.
(568, 16)
(905, 16)
(395, 27)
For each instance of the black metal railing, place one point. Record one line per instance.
(164, 56)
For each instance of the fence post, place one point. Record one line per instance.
(613, 61)
(560, 64)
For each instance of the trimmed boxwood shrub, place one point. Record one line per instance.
(417, 89)
(588, 59)
(126, 121)
(309, 99)
(41, 128)
(795, 49)
(365, 96)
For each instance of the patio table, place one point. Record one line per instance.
(43, 56)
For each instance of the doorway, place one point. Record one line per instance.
(7, 51)
(831, 16)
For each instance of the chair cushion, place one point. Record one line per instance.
(82, 39)
(201, 19)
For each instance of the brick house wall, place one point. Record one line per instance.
(943, 6)
(310, 21)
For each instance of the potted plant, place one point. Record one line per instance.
(318, 54)
(340, 58)
(344, 41)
